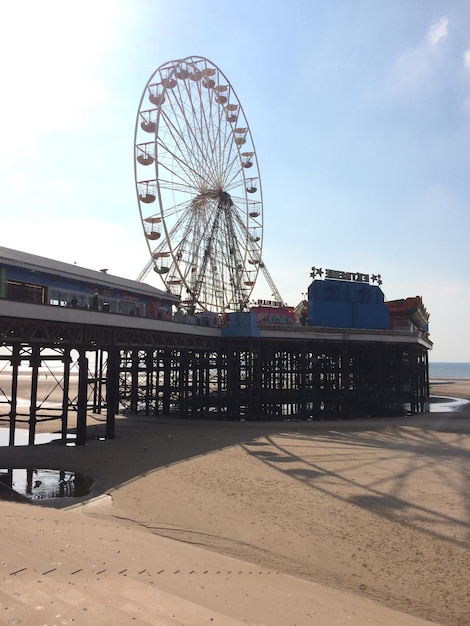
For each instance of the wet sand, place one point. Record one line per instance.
(451, 388)
(335, 522)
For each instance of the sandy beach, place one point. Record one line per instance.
(333, 522)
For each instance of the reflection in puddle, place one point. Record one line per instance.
(21, 437)
(39, 484)
(443, 404)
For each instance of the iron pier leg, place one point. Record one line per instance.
(35, 363)
(15, 363)
(148, 381)
(134, 399)
(166, 382)
(82, 398)
(112, 392)
(98, 381)
(65, 396)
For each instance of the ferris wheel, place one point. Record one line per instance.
(198, 187)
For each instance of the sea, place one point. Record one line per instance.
(447, 370)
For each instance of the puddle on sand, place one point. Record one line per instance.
(39, 484)
(444, 404)
(21, 437)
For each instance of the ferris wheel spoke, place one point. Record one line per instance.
(188, 127)
(180, 173)
(179, 187)
(173, 181)
(190, 140)
(171, 159)
(185, 215)
(178, 149)
(212, 133)
(182, 165)
(209, 133)
(177, 209)
(188, 158)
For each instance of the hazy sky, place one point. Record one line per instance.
(360, 114)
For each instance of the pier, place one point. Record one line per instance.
(109, 364)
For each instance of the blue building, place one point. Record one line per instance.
(343, 303)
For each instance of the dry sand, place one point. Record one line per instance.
(281, 524)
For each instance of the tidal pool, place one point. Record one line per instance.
(41, 484)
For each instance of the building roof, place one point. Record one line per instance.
(69, 270)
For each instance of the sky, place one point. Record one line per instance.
(359, 111)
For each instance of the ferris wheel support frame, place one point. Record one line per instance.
(209, 217)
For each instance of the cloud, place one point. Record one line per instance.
(466, 58)
(416, 70)
(438, 31)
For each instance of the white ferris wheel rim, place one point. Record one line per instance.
(201, 208)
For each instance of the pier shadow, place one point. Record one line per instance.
(145, 444)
